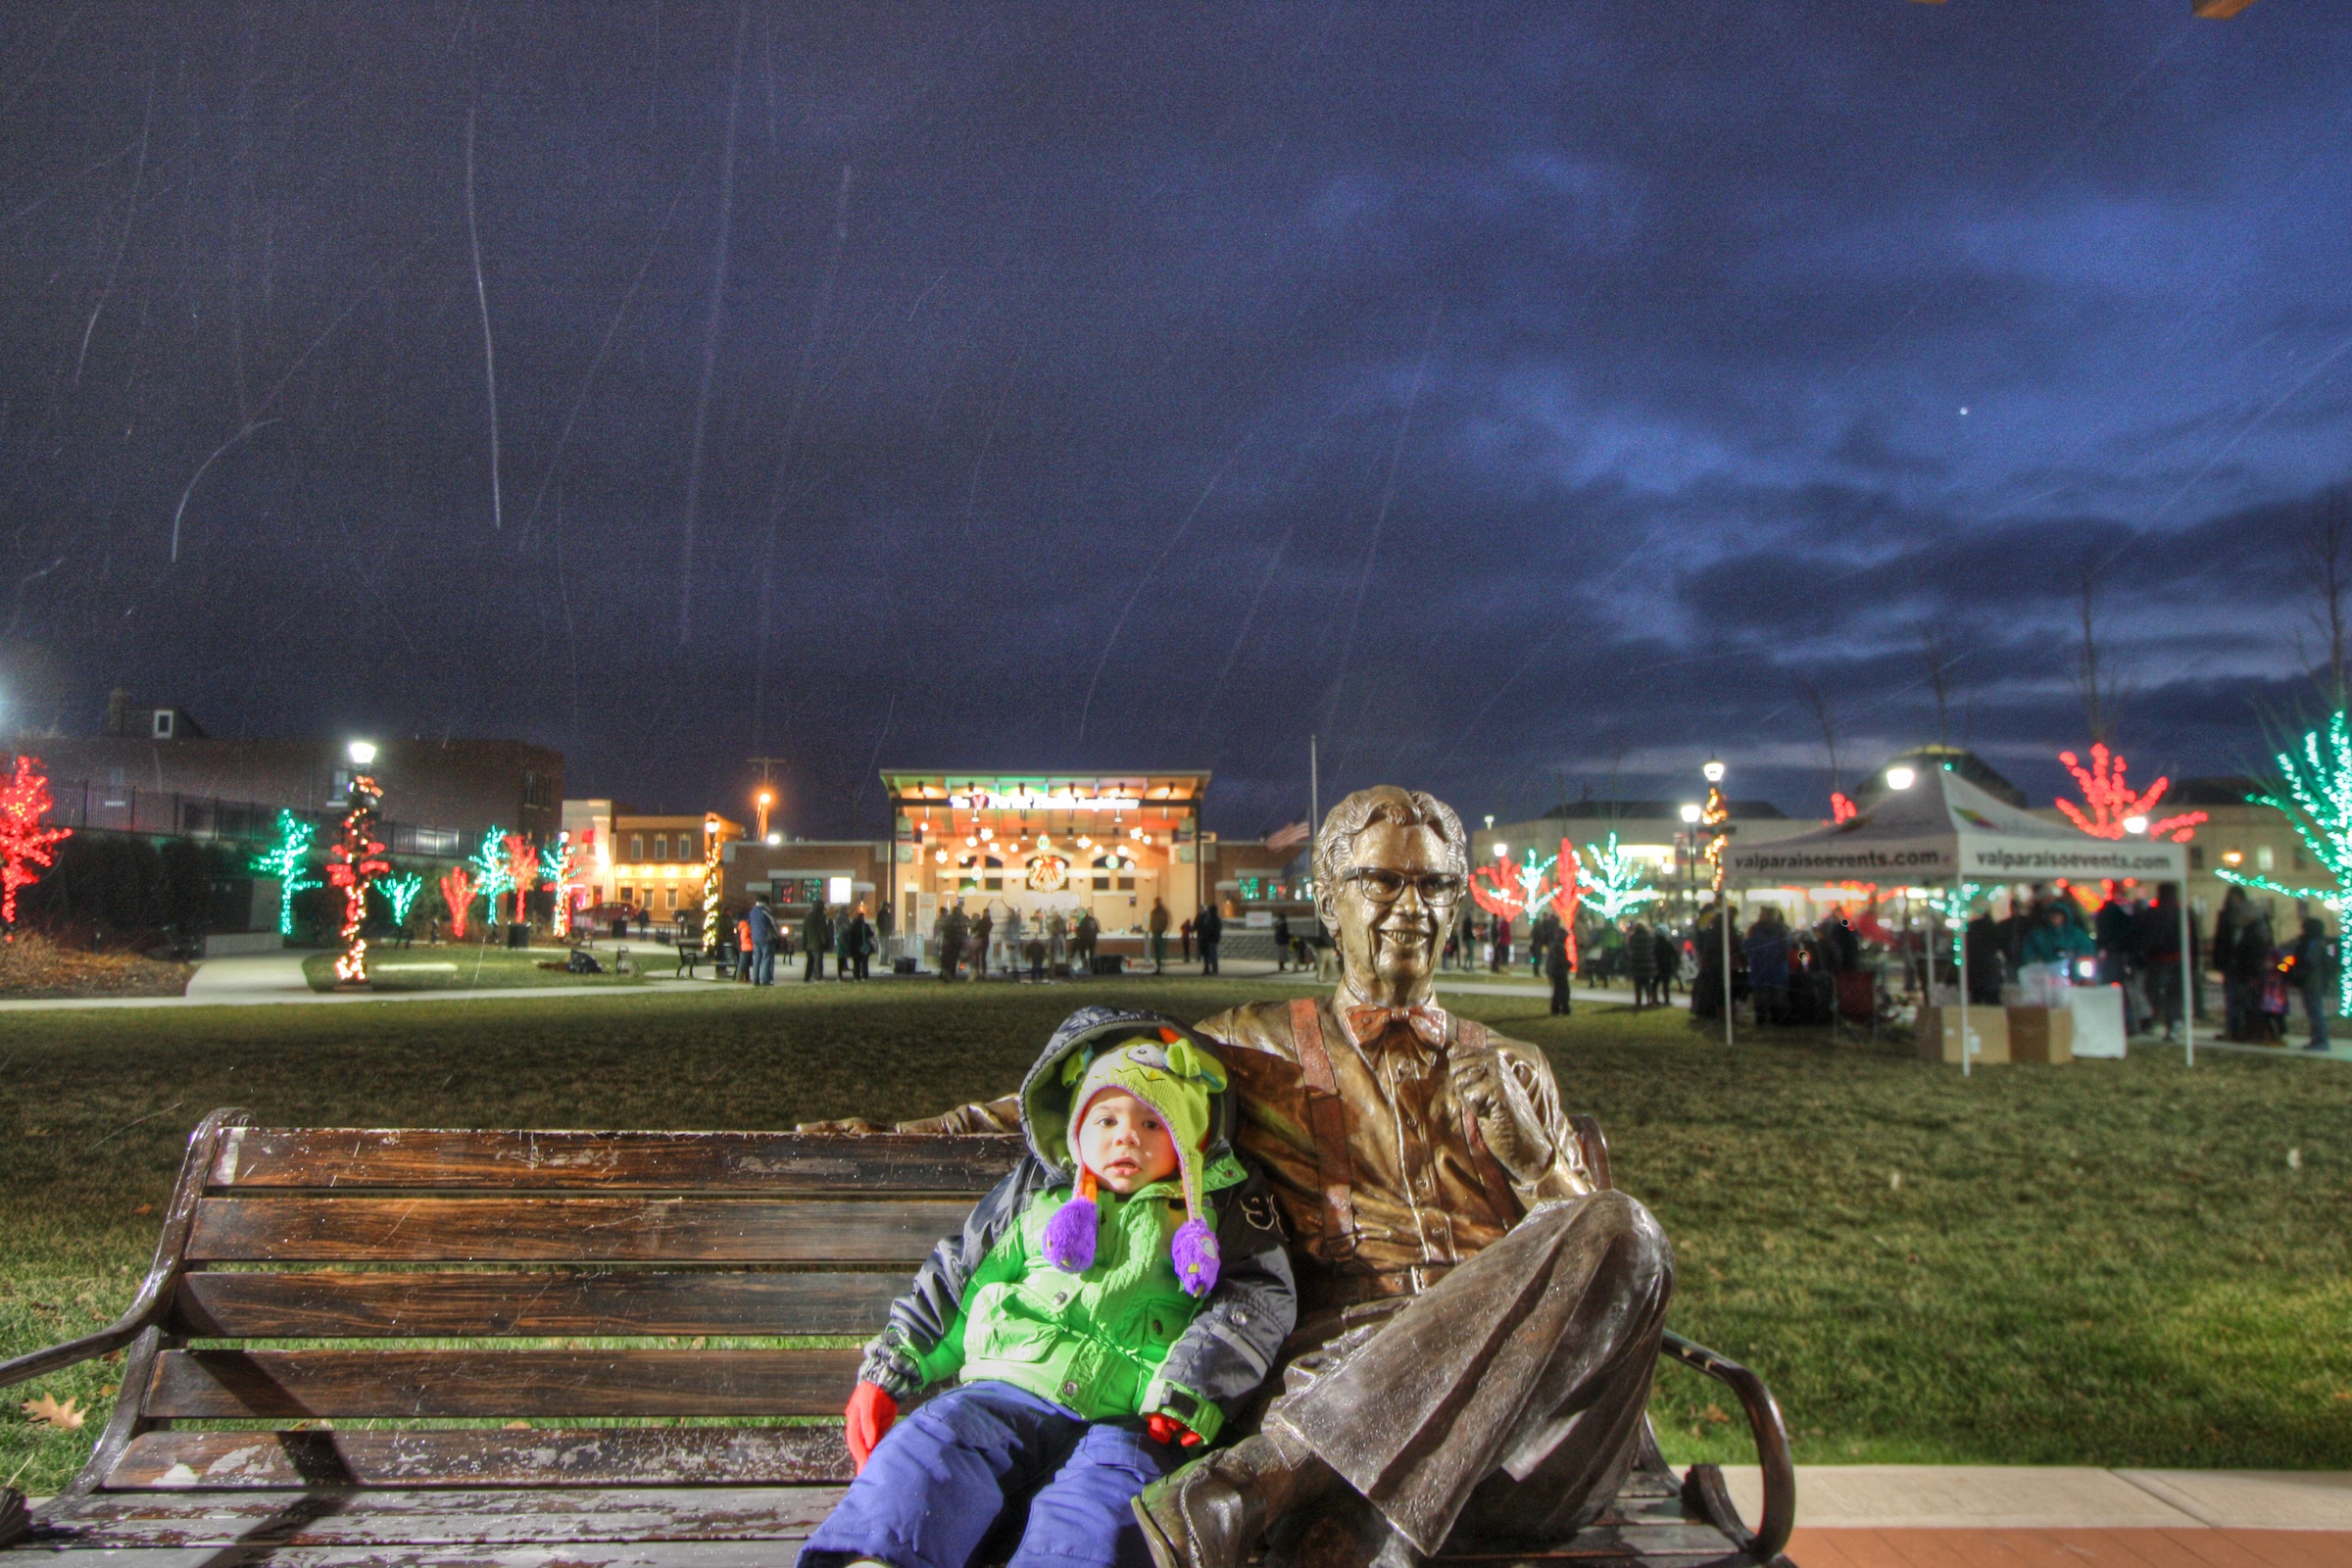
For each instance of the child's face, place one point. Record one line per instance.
(1124, 1143)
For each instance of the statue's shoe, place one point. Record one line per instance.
(1207, 1515)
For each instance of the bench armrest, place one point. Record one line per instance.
(154, 1291)
(1703, 1491)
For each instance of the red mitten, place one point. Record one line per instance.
(1163, 1426)
(869, 1415)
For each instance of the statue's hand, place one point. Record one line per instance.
(1506, 1118)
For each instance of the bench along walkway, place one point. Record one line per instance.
(399, 1347)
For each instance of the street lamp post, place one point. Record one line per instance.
(1714, 814)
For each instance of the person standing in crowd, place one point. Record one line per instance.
(2251, 962)
(1641, 960)
(1184, 935)
(1282, 942)
(1984, 960)
(817, 940)
(1554, 947)
(2159, 940)
(745, 968)
(1058, 943)
(885, 922)
(1082, 949)
(1212, 932)
(764, 943)
(1016, 938)
(868, 941)
(2234, 1008)
(1500, 957)
(1767, 948)
(954, 927)
(1670, 963)
(1160, 936)
(983, 930)
(2116, 929)
(2313, 967)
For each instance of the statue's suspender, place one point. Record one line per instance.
(1472, 1036)
(1327, 1118)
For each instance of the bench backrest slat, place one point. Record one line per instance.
(323, 1228)
(231, 1385)
(607, 1456)
(423, 1159)
(340, 1303)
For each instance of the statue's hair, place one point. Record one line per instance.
(1335, 845)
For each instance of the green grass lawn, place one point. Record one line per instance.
(2109, 1262)
(475, 966)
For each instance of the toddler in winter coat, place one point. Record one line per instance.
(1104, 1311)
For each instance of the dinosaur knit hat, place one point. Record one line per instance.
(1176, 1080)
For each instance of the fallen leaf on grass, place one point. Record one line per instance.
(110, 1391)
(144, 1208)
(518, 1426)
(1716, 1415)
(66, 1417)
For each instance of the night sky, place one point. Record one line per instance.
(1530, 400)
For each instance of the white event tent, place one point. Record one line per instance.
(1944, 829)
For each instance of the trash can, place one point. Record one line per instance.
(518, 935)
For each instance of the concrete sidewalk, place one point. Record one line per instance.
(1928, 1496)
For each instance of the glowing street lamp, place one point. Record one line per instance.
(361, 753)
(2135, 825)
(1901, 778)
(766, 799)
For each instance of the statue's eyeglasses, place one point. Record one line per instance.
(1387, 887)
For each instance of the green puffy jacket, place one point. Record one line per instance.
(1092, 1342)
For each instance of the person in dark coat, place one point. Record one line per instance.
(1670, 964)
(981, 928)
(764, 943)
(2159, 923)
(2313, 970)
(1500, 960)
(1211, 928)
(1282, 941)
(2250, 963)
(816, 937)
(1768, 965)
(2234, 1008)
(1985, 975)
(1642, 962)
(1554, 943)
(953, 932)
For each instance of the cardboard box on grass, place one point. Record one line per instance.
(1939, 1035)
(2042, 1034)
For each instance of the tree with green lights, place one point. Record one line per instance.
(1615, 883)
(289, 861)
(491, 873)
(2316, 799)
(400, 892)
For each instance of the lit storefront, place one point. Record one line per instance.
(1105, 844)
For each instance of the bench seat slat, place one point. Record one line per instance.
(324, 1229)
(489, 1516)
(235, 1384)
(417, 1304)
(656, 1161)
(622, 1457)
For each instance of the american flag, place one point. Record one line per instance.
(1285, 838)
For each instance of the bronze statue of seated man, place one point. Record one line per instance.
(1477, 1324)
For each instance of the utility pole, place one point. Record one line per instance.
(767, 797)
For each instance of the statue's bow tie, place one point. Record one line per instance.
(1368, 1024)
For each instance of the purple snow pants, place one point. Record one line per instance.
(939, 1483)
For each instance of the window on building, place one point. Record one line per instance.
(1126, 884)
(670, 898)
(660, 845)
(162, 723)
(993, 884)
(636, 846)
(1102, 884)
(2196, 857)
(2298, 854)
(626, 894)
(2266, 859)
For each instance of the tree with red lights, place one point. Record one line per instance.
(353, 863)
(522, 871)
(457, 892)
(26, 846)
(2109, 801)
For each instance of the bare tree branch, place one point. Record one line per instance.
(2323, 553)
(1819, 706)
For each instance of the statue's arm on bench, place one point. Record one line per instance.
(965, 1121)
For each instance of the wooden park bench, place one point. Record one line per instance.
(398, 1347)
